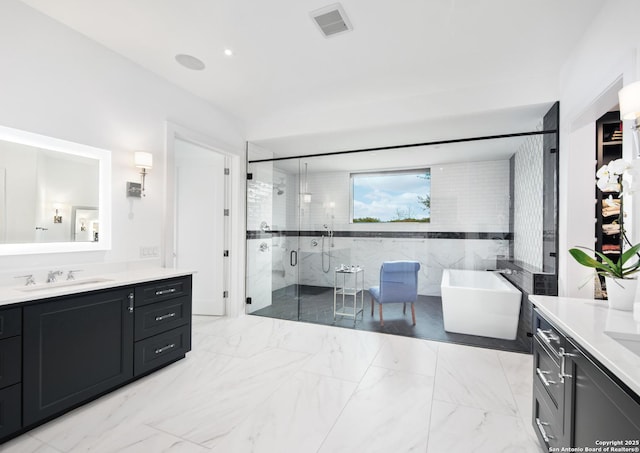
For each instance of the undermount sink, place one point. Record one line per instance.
(628, 340)
(65, 284)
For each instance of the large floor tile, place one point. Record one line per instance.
(134, 404)
(27, 444)
(345, 354)
(518, 369)
(296, 418)
(205, 416)
(239, 338)
(253, 384)
(389, 412)
(408, 354)
(473, 377)
(456, 428)
(301, 336)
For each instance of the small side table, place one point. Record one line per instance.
(352, 287)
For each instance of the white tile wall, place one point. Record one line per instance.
(434, 255)
(471, 196)
(528, 200)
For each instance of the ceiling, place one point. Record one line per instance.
(284, 69)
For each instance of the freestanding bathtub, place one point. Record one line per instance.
(479, 303)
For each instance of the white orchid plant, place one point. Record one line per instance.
(613, 177)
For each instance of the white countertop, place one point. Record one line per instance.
(585, 321)
(15, 294)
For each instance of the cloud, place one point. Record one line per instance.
(384, 197)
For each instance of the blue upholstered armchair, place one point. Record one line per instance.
(398, 284)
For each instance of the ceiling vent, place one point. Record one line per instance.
(332, 20)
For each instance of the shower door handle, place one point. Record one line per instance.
(293, 258)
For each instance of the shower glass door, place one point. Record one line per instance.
(272, 239)
(292, 251)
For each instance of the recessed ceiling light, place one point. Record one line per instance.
(228, 52)
(190, 62)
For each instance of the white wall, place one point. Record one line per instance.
(56, 82)
(606, 53)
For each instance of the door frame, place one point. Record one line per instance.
(235, 184)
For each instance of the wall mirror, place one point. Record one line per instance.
(54, 195)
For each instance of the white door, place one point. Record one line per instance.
(200, 223)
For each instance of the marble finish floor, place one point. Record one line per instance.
(254, 384)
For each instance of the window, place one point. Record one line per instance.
(391, 196)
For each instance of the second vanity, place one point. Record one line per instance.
(66, 344)
(586, 376)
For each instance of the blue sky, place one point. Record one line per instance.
(382, 196)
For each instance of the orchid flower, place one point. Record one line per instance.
(618, 166)
(603, 172)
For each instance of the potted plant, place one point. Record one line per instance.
(619, 274)
(621, 286)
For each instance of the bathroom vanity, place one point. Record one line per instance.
(62, 346)
(586, 383)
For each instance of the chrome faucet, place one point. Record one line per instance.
(70, 275)
(505, 271)
(51, 276)
(30, 280)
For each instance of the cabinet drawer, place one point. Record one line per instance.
(156, 318)
(162, 290)
(10, 410)
(548, 335)
(10, 322)
(547, 373)
(10, 361)
(161, 349)
(546, 422)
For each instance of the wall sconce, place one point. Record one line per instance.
(629, 98)
(57, 218)
(144, 161)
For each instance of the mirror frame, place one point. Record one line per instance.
(104, 198)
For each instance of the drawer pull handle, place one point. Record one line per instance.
(163, 317)
(546, 437)
(547, 335)
(165, 291)
(563, 365)
(165, 348)
(542, 375)
(130, 297)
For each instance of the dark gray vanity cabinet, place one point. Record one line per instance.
(75, 348)
(600, 408)
(162, 323)
(10, 371)
(61, 352)
(576, 400)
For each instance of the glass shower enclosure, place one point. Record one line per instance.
(291, 252)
